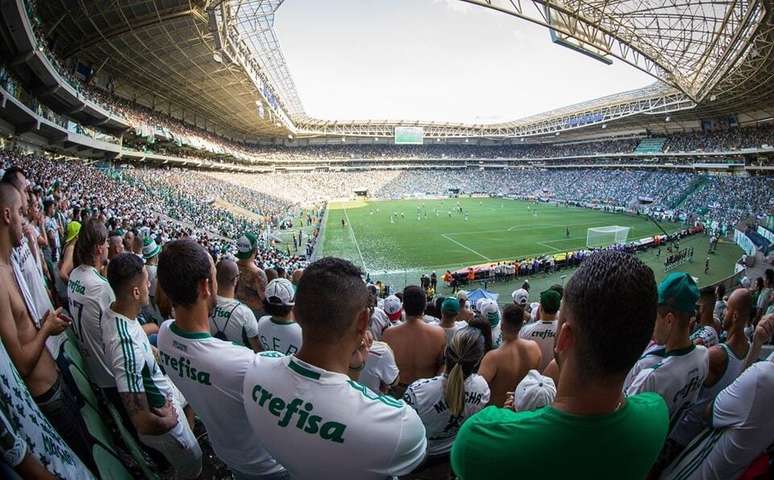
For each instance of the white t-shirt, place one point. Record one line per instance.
(284, 338)
(677, 378)
(322, 424)
(25, 430)
(210, 372)
(234, 320)
(32, 286)
(427, 398)
(543, 332)
(651, 357)
(380, 367)
(90, 295)
(458, 325)
(135, 370)
(379, 323)
(743, 428)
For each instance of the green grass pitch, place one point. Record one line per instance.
(430, 235)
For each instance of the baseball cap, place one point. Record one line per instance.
(462, 295)
(246, 245)
(149, 248)
(520, 296)
(533, 392)
(550, 300)
(491, 311)
(451, 305)
(281, 292)
(678, 290)
(745, 282)
(73, 229)
(392, 307)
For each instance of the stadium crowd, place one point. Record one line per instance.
(302, 372)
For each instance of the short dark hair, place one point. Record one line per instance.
(11, 176)
(414, 301)
(123, 270)
(329, 296)
(93, 233)
(513, 316)
(182, 265)
(612, 300)
(276, 310)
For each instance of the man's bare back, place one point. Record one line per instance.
(251, 285)
(18, 333)
(506, 366)
(418, 349)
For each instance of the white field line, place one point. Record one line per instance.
(354, 238)
(466, 247)
(549, 246)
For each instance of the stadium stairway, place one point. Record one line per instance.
(650, 145)
(696, 184)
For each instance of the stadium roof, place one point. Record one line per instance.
(220, 62)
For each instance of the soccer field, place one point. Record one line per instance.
(430, 235)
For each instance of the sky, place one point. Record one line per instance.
(433, 60)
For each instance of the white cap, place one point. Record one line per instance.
(281, 292)
(462, 295)
(745, 282)
(392, 307)
(480, 303)
(491, 311)
(520, 296)
(533, 392)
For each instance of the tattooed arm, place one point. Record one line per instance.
(147, 420)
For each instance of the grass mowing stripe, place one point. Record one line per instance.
(354, 239)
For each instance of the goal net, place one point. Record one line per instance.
(603, 236)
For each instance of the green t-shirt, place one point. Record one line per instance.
(546, 443)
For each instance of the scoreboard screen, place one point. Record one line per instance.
(409, 135)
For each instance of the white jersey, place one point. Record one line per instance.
(210, 372)
(232, 320)
(32, 286)
(379, 323)
(380, 367)
(278, 336)
(497, 335)
(743, 428)
(677, 378)
(542, 332)
(651, 357)
(459, 325)
(322, 423)
(706, 336)
(129, 354)
(427, 398)
(693, 421)
(90, 296)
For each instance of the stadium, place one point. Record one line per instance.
(195, 238)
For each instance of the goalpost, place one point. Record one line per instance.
(603, 236)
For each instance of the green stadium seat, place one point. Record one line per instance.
(131, 444)
(109, 467)
(84, 387)
(97, 428)
(74, 355)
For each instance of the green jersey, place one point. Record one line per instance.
(547, 443)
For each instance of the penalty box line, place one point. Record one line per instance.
(466, 247)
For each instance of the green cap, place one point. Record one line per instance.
(678, 290)
(549, 301)
(246, 245)
(451, 305)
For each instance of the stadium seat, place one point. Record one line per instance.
(110, 467)
(74, 355)
(131, 444)
(84, 387)
(97, 428)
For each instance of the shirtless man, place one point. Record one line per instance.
(506, 366)
(418, 346)
(252, 280)
(26, 344)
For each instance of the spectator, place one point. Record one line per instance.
(544, 331)
(252, 280)
(606, 319)
(207, 370)
(278, 331)
(708, 327)
(232, 320)
(418, 346)
(534, 391)
(327, 423)
(506, 366)
(150, 400)
(450, 308)
(445, 401)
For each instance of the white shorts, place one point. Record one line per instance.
(179, 447)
